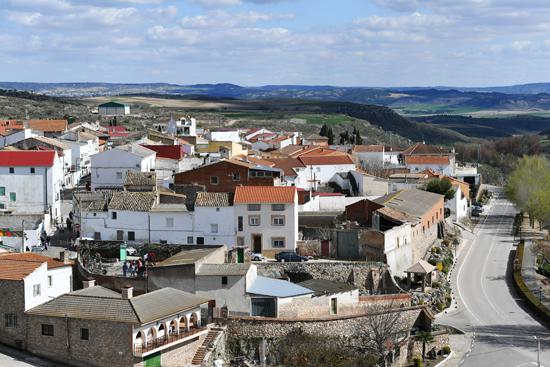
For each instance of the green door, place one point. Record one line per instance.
(152, 360)
(123, 252)
(240, 255)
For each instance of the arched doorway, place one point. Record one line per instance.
(139, 341)
(195, 320)
(173, 328)
(184, 324)
(162, 332)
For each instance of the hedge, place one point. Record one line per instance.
(521, 287)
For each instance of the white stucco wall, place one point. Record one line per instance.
(106, 165)
(224, 217)
(321, 173)
(399, 248)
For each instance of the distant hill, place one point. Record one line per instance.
(409, 101)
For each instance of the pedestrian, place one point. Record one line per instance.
(132, 268)
(125, 268)
(47, 243)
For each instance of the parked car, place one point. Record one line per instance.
(258, 257)
(476, 213)
(130, 251)
(290, 256)
(477, 205)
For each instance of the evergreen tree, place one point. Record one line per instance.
(358, 138)
(330, 136)
(324, 130)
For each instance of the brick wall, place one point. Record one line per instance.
(361, 211)
(224, 171)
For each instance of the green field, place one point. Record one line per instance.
(310, 118)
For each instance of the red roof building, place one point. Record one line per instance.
(27, 158)
(265, 194)
(167, 151)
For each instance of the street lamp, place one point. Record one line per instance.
(538, 351)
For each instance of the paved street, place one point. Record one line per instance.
(489, 310)
(13, 358)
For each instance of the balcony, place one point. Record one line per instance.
(143, 349)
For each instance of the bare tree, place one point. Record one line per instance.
(542, 248)
(384, 330)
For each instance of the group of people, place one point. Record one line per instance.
(133, 268)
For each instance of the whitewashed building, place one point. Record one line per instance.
(108, 168)
(267, 218)
(214, 219)
(83, 146)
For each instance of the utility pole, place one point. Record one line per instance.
(23, 235)
(538, 351)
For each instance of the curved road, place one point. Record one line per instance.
(488, 308)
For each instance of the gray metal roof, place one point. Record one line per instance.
(98, 303)
(276, 288)
(222, 269)
(138, 178)
(323, 286)
(136, 149)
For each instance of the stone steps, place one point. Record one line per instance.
(203, 348)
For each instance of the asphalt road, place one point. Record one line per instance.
(503, 330)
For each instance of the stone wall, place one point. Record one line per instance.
(372, 277)
(181, 354)
(115, 283)
(109, 344)
(440, 339)
(14, 303)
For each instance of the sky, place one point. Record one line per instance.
(382, 43)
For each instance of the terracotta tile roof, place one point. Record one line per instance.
(265, 194)
(27, 158)
(167, 151)
(420, 148)
(325, 160)
(287, 165)
(260, 161)
(315, 137)
(138, 178)
(368, 148)
(213, 199)
(17, 266)
(48, 125)
(427, 159)
(295, 151)
(320, 151)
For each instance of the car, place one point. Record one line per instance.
(257, 257)
(130, 251)
(476, 213)
(477, 205)
(290, 256)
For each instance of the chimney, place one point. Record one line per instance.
(88, 283)
(64, 256)
(127, 292)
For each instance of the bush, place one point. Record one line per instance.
(446, 349)
(439, 266)
(441, 306)
(436, 285)
(417, 362)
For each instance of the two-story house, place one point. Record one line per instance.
(28, 280)
(225, 175)
(267, 218)
(108, 168)
(214, 219)
(83, 146)
(420, 157)
(31, 182)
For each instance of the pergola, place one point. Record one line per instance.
(423, 269)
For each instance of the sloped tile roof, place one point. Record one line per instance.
(287, 165)
(31, 257)
(427, 159)
(420, 148)
(48, 125)
(138, 178)
(133, 201)
(213, 199)
(265, 194)
(96, 303)
(26, 158)
(421, 267)
(16, 270)
(223, 269)
(368, 148)
(325, 160)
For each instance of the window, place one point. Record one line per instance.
(224, 281)
(12, 170)
(47, 329)
(277, 207)
(2, 191)
(214, 228)
(119, 175)
(2, 206)
(120, 235)
(278, 220)
(240, 223)
(113, 215)
(32, 170)
(84, 334)
(97, 236)
(254, 220)
(333, 306)
(36, 290)
(169, 222)
(13, 196)
(10, 320)
(131, 236)
(236, 176)
(200, 240)
(189, 240)
(50, 281)
(278, 242)
(254, 207)
(214, 180)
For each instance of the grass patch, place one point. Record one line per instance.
(323, 119)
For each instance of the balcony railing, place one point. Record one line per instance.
(143, 348)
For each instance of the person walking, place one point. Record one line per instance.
(125, 268)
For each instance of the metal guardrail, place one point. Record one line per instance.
(165, 340)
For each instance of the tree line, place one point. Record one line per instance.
(345, 136)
